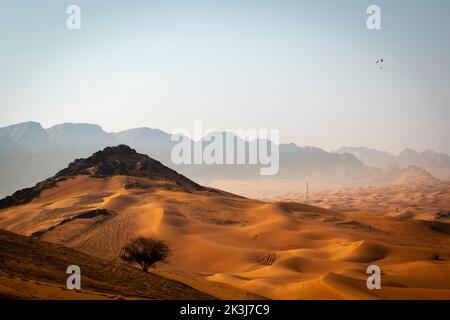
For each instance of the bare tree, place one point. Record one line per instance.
(145, 252)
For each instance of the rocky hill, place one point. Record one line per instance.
(112, 161)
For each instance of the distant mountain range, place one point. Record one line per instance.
(29, 153)
(438, 164)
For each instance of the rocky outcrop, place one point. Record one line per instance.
(112, 161)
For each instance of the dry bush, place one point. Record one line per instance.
(145, 252)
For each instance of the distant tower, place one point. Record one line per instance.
(307, 190)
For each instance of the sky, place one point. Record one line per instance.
(306, 68)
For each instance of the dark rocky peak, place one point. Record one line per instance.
(123, 160)
(111, 161)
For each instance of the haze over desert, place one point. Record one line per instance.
(277, 250)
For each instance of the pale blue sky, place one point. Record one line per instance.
(305, 67)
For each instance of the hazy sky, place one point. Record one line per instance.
(305, 67)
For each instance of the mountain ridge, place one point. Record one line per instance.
(29, 154)
(438, 164)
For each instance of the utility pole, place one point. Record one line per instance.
(307, 190)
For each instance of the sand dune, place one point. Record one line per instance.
(408, 201)
(32, 269)
(277, 250)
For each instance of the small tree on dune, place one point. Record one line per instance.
(145, 252)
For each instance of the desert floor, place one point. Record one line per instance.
(414, 201)
(229, 244)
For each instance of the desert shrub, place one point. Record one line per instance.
(145, 252)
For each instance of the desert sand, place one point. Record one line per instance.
(429, 202)
(278, 250)
(32, 269)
